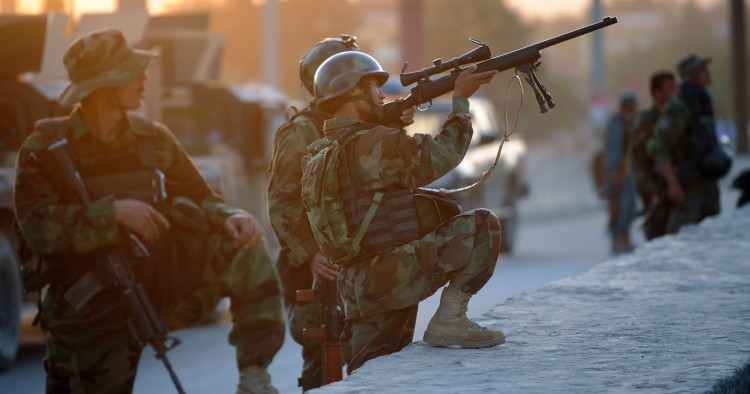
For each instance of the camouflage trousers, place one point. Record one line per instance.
(381, 294)
(92, 350)
(302, 316)
(700, 202)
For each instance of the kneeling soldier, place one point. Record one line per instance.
(360, 189)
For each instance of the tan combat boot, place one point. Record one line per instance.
(450, 326)
(255, 380)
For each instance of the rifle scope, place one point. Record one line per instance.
(482, 52)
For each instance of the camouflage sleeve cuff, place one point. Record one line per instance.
(302, 252)
(460, 105)
(220, 212)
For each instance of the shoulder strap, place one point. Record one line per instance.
(53, 128)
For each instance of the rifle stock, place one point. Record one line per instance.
(326, 295)
(525, 59)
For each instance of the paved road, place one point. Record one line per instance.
(547, 251)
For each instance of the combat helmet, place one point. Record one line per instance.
(319, 53)
(342, 72)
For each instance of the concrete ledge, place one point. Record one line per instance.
(674, 316)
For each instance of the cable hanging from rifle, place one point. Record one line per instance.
(506, 137)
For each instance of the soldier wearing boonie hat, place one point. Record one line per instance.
(100, 59)
(688, 66)
(686, 149)
(119, 156)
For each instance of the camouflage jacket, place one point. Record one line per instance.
(390, 158)
(51, 225)
(285, 210)
(669, 130)
(686, 126)
(640, 162)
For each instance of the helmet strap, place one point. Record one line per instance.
(375, 109)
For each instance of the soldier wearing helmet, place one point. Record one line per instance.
(141, 184)
(360, 189)
(300, 259)
(686, 150)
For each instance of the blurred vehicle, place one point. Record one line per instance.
(22, 102)
(508, 183)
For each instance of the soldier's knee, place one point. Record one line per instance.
(485, 218)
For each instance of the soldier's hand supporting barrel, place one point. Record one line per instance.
(468, 82)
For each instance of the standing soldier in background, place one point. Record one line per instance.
(619, 185)
(359, 189)
(300, 259)
(200, 248)
(642, 166)
(686, 149)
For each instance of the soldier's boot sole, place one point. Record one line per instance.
(445, 341)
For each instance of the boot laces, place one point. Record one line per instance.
(462, 311)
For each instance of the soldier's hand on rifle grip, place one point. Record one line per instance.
(407, 116)
(140, 218)
(323, 268)
(244, 229)
(468, 82)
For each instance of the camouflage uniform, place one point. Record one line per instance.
(381, 293)
(298, 246)
(670, 134)
(92, 350)
(640, 163)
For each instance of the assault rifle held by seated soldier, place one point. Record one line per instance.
(526, 60)
(116, 267)
(326, 295)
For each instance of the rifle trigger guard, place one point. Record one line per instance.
(422, 109)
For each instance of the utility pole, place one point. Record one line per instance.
(411, 13)
(270, 42)
(598, 103)
(739, 73)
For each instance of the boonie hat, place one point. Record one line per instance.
(690, 64)
(100, 59)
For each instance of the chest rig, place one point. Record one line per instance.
(351, 223)
(125, 173)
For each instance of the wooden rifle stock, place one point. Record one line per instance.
(326, 295)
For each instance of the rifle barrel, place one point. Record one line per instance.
(426, 91)
(610, 20)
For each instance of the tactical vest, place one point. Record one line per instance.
(175, 262)
(351, 223)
